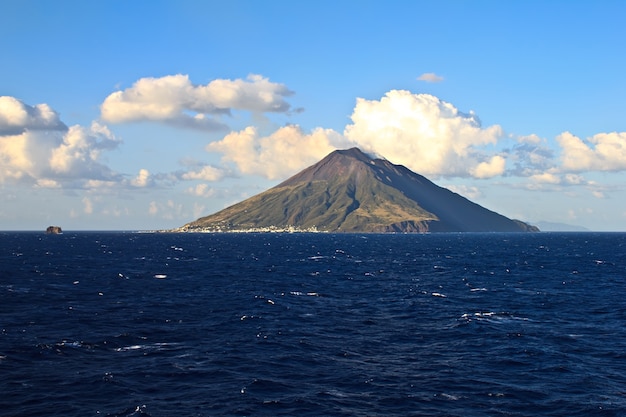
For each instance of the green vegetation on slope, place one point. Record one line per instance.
(339, 205)
(350, 192)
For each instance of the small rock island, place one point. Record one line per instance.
(53, 230)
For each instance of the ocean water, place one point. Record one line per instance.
(140, 324)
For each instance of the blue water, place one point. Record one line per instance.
(129, 324)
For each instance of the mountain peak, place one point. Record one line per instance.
(350, 191)
(337, 163)
(353, 153)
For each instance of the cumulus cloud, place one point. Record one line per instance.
(426, 134)
(47, 183)
(204, 173)
(201, 190)
(37, 148)
(548, 177)
(79, 152)
(16, 117)
(488, 169)
(280, 154)
(430, 77)
(143, 179)
(175, 100)
(429, 136)
(555, 180)
(18, 156)
(601, 152)
(532, 158)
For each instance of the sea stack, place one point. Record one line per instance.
(53, 230)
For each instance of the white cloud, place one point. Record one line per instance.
(601, 152)
(37, 148)
(546, 178)
(99, 184)
(168, 210)
(555, 180)
(256, 94)
(201, 190)
(574, 179)
(204, 173)
(424, 133)
(280, 154)
(175, 100)
(430, 77)
(87, 206)
(142, 179)
(493, 167)
(17, 117)
(78, 154)
(16, 162)
(532, 139)
(47, 183)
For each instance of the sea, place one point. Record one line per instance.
(312, 324)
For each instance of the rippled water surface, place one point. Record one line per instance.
(130, 324)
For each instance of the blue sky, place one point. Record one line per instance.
(118, 115)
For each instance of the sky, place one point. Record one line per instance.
(147, 114)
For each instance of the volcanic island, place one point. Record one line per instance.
(350, 191)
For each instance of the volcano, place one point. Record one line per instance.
(349, 191)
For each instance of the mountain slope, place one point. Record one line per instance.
(348, 191)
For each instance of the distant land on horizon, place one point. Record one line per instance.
(349, 191)
(545, 226)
